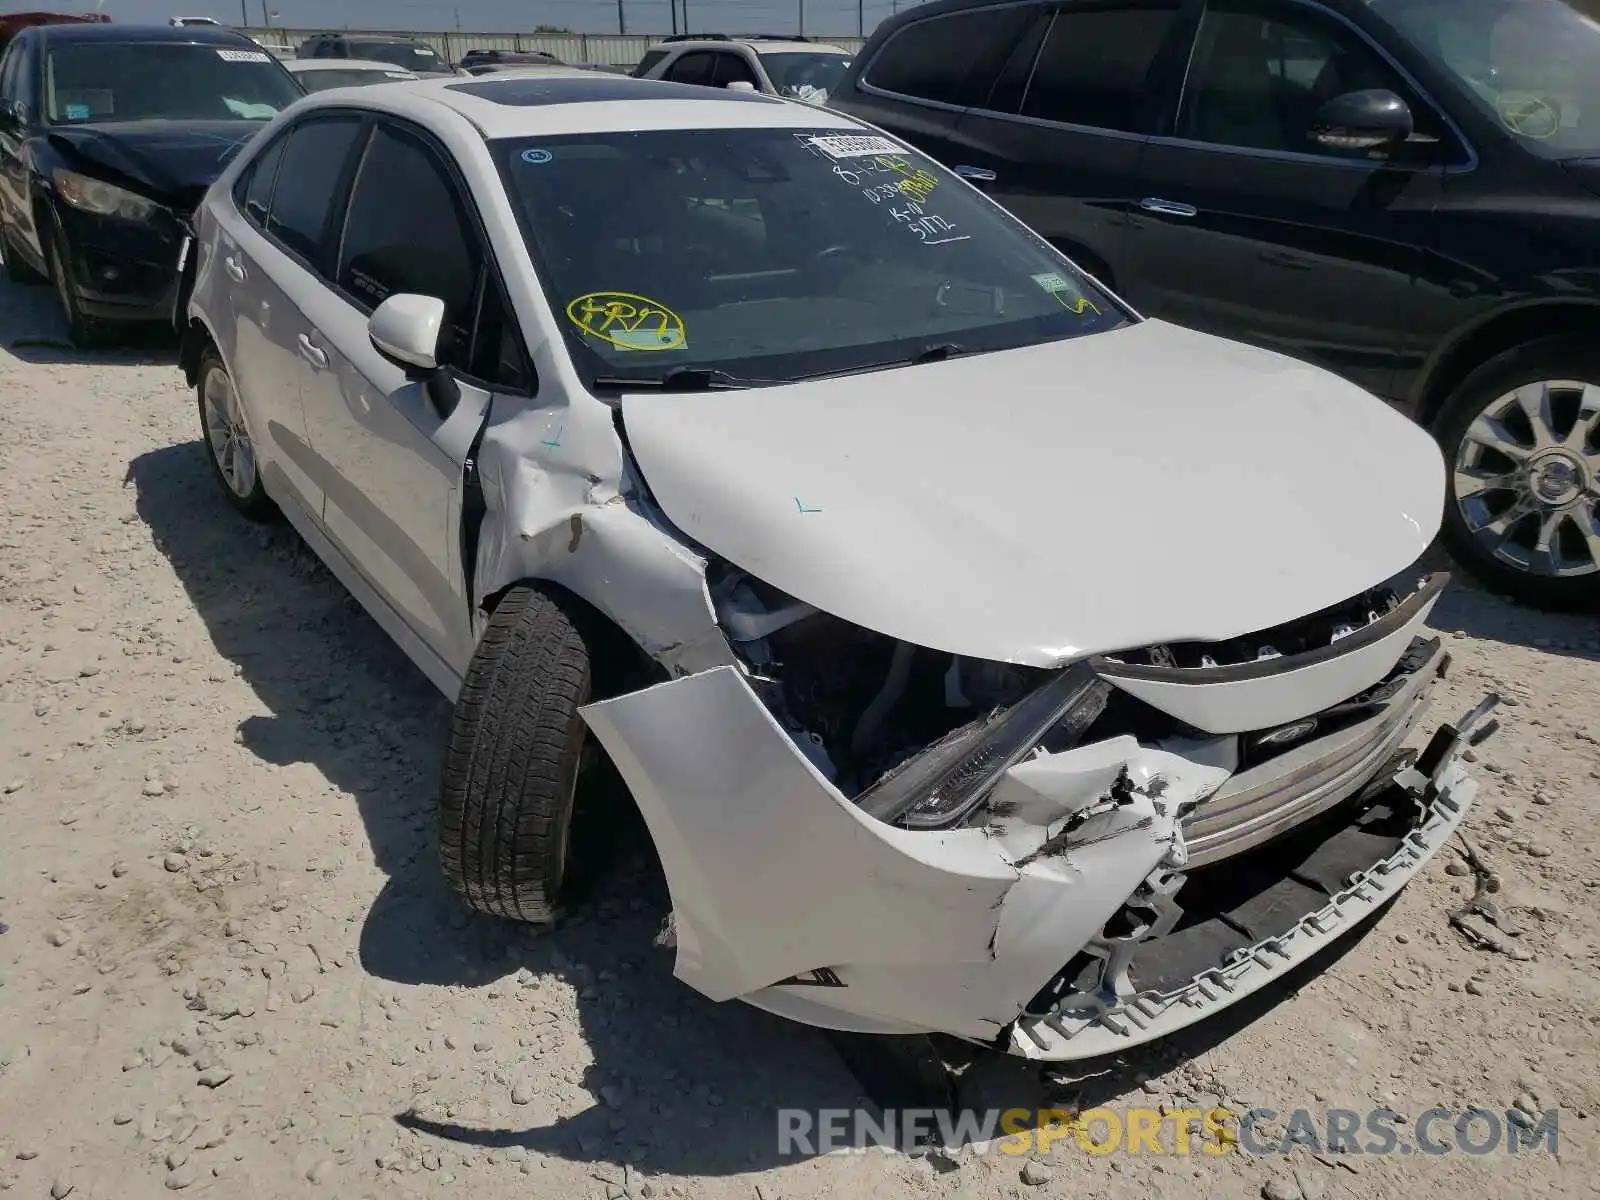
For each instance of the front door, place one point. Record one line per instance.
(396, 457)
(1249, 228)
(1058, 140)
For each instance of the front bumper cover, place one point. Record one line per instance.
(786, 895)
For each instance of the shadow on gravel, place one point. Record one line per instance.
(1466, 608)
(31, 329)
(680, 1084)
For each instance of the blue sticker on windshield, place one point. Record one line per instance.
(77, 112)
(536, 157)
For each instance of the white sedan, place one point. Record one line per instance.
(983, 657)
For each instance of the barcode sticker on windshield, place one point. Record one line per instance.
(854, 147)
(243, 56)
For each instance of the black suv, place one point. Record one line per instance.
(396, 49)
(1404, 191)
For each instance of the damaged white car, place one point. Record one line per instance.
(983, 658)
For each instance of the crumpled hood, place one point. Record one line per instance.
(1146, 485)
(174, 161)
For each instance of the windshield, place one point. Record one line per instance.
(778, 254)
(411, 56)
(1534, 64)
(320, 79)
(148, 81)
(805, 76)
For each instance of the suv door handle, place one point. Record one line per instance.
(313, 353)
(1168, 208)
(975, 174)
(234, 270)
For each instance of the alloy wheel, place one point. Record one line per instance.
(225, 428)
(1527, 478)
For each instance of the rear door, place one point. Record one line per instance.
(1250, 229)
(924, 76)
(397, 461)
(1062, 129)
(274, 261)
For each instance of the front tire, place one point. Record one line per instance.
(228, 442)
(82, 332)
(1521, 440)
(511, 764)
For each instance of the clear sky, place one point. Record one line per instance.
(822, 17)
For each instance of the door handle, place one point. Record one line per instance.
(313, 353)
(1168, 208)
(1289, 262)
(234, 270)
(975, 174)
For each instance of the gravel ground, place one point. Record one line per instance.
(229, 963)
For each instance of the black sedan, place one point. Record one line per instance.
(109, 137)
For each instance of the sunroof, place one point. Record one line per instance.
(529, 91)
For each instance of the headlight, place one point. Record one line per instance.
(101, 198)
(946, 781)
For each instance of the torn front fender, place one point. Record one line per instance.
(787, 895)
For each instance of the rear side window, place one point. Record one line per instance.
(256, 198)
(932, 59)
(309, 172)
(732, 68)
(1096, 68)
(648, 62)
(696, 67)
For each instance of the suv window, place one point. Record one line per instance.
(1095, 68)
(9, 58)
(697, 66)
(1260, 73)
(425, 245)
(932, 59)
(648, 62)
(22, 84)
(732, 68)
(309, 171)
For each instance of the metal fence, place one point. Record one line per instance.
(608, 49)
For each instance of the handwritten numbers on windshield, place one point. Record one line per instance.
(627, 321)
(882, 173)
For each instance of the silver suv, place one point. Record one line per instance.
(792, 67)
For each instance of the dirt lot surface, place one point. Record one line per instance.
(229, 964)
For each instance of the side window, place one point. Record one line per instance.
(1260, 73)
(933, 59)
(8, 70)
(309, 172)
(1009, 86)
(253, 192)
(425, 245)
(497, 356)
(1096, 68)
(698, 66)
(732, 68)
(648, 62)
(22, 85)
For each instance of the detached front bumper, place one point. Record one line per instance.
(1075, 919)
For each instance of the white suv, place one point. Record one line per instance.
(789, 67)
(982, 657)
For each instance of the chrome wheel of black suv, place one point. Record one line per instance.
(1521, 437)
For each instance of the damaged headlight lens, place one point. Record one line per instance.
(946, 781)
(101, 198)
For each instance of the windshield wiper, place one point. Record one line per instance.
(938, 353)
(682, 379)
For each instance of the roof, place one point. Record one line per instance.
(342, 64)
(526, 105)
(199, 35)
(761, 45)
(361, 37)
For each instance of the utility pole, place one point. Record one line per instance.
(673, 4)
(861, 18)
(802, 17)
(265, 19)
(622, 20)
(244, 13)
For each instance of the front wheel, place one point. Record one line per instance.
(1521, 439)
(82, 331)
(511, 763)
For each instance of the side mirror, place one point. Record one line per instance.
(405, 329)
(1363, 120)
(741, 85)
